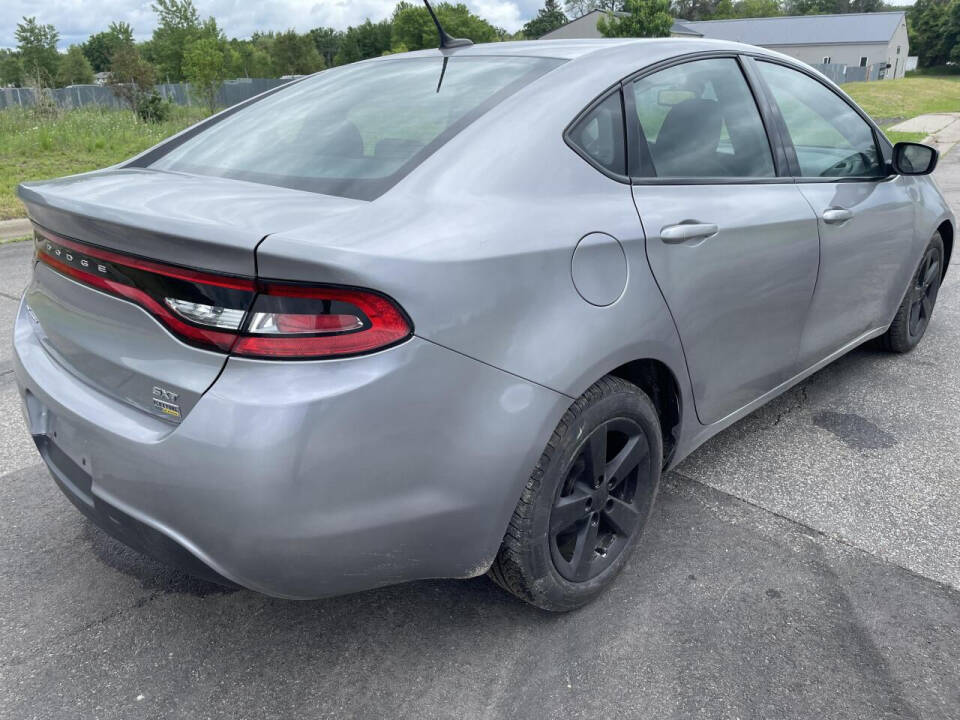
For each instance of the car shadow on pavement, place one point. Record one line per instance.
(725, 610)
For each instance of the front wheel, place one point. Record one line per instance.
(587, 502)
(916, 309)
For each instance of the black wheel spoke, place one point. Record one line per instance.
(914, 318)
(932, 273)
(568, 511)
(927, 305)
(627, 460)
(597, 456)
(623, 516)
(585, 551)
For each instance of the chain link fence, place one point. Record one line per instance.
(75, 96)
(841, 74)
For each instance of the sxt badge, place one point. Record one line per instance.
(166, 401)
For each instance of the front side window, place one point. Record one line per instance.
(830, 138)
(700, 120)
(354, 131)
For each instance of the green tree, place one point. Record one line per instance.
(927, 26)
(99, 48)
(11, 69)
(694, 9)
(548, 18)
(178, 23)
(644, 18)
(365, 41)
(950, 43)
(132, 78)
(725, 9)
(205, 67)
(327, 41)
(821, 7)
(250, 59)
(579, 8)
(75, 69)
(37, 47)
(413, 28)
(294, 54)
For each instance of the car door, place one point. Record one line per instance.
(731, 241)
(866, 217)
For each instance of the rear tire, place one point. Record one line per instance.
(587, 502)
(915, 311)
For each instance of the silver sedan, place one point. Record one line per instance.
(453, 312)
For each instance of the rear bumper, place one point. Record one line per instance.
(302, 479)
(75, 482)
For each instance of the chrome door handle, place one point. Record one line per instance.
(682, 232)
(835, 216)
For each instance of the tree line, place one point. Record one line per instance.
(185, 47)
(182, 41)
(934, 28)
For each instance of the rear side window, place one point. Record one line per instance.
(599, 135)
(699, 119)
(354, 131)
(829, 136)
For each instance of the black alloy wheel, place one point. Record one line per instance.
(598, 508)
(586, 503)
(926, 286)
(916, 309)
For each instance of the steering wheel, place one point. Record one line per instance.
(856, 164)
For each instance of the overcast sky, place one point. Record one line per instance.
(77, 19)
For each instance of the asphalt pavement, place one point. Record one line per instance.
(805, 563)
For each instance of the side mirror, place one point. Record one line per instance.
(914, 159)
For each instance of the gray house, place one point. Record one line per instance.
(585, 26)
(855, 39)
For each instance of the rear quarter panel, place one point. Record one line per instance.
(477, 243)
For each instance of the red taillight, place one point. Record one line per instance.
(155, 287)
(299, 321)
(231, 314)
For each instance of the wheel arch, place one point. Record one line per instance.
(660, 384)
(946, 233)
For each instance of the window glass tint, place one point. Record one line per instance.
(600, 135)
(830, 138)
(699, 119)
(353, 131)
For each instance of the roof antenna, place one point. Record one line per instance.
(446, 42)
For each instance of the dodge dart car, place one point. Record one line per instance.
(453, 312)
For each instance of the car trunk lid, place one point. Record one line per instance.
(126, 259)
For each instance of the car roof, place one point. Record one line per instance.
(572, 49)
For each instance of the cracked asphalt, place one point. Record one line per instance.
(804, 563)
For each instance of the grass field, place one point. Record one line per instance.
(74, 141)
(79, 140)
(890, 101)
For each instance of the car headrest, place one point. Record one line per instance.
(342, 141)
(692, 126)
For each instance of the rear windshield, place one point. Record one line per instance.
(353, 131)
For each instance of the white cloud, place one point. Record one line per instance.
(77, 19)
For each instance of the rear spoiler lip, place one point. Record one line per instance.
(159, 237)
